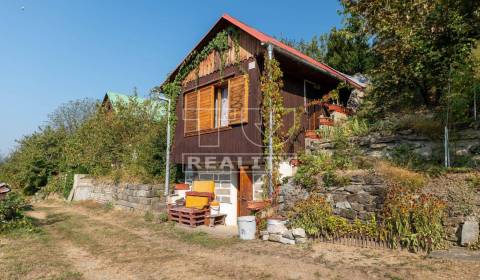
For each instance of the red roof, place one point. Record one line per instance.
(264, 38)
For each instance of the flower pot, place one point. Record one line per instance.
(325, 121)
(256, 205)
(294, 162)
(182, 187)
(339, 108)
(311, 134)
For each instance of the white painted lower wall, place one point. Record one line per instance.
(225, 181)
(230, 209)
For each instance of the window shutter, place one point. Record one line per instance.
(190, 111)
(206, 111)
(238, 100)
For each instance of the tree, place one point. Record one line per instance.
(346, 49)
(70, 116)
(417, 44)
(37, 158)
(129, 140)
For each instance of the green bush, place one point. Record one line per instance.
(11, 213)
(404, 155)
(163, 217)
(413, 220)
(315, 216)
(410, 220)
(127, 143)
(321, 165)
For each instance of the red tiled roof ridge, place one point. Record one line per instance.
(262, 37)
(269, 39)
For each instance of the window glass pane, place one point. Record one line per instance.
(224, 107)
(216, 108)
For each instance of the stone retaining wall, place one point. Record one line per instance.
(365, 194)
(361, 198)
(465, 143)
(131, 197)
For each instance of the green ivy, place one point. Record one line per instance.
(173, 88)
(272, 101)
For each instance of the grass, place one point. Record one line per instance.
(33, 256)
(400, 176)
(201, 238)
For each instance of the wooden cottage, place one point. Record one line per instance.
(218, 134)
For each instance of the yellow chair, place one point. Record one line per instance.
(198, 202)
(202, 193)
(203, 186)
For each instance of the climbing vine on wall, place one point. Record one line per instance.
(219, 43)
(272, 101)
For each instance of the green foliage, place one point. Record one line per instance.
(38, 157)
(341, 132)
(272, 102)
(310, 167)
(410, 219)
(331, 179)
(321, 165)
(404, 155)
(148, 216)
(416, 46)
(316, 217)
(70, 116)
(163, 217)
(11, 213)
(413, 220)
(108, 206)
(173, 87)
(346, 49)
(128, 143)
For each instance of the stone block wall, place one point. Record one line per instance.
(361, 198)
(125, 196)
(465, 143)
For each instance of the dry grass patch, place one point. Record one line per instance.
(401, 176)
(33, 256)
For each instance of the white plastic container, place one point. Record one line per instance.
(276, 226)
(215, 210)
(247, 227)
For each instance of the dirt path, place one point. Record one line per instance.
(97, 244)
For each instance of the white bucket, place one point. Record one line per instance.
(247, 227)
(214, 210)
(276, 226)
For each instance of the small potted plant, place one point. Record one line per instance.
(311, 134)
(322, 120)
(294, 162)
(182, 187)
(256, 205)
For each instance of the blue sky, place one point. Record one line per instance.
(55, 51)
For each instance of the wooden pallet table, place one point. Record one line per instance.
(213, 220)
(187, 216)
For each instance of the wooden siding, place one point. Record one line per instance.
(206, 107)
(293, 95)
(248, 47)
(238, 100)
(236, 140)
(190, 112)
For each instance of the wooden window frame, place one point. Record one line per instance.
(217, 94)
